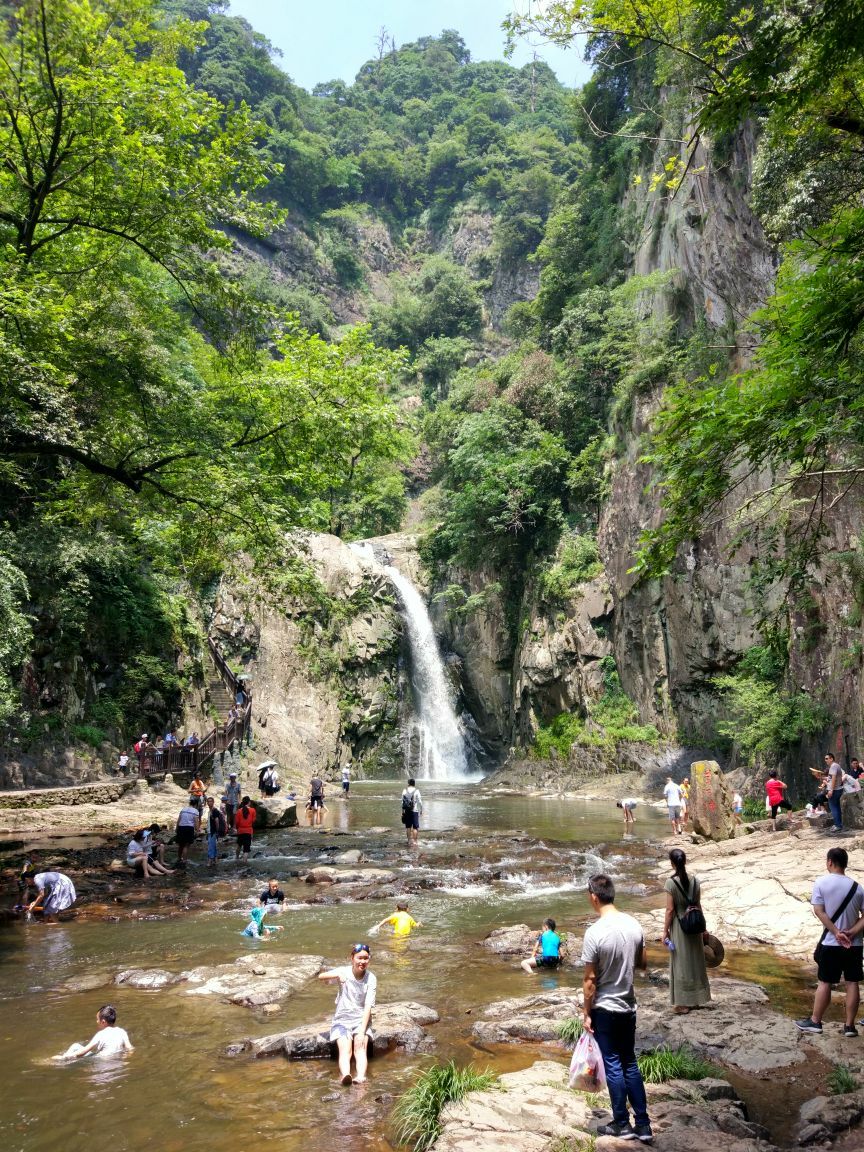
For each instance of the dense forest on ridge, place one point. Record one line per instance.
(231, 307)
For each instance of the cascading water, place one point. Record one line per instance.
(435, 746)
(436, 741)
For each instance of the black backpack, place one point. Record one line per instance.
(407, 805)
(693, 921)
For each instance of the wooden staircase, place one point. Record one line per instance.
(221, 698)
(219, 740)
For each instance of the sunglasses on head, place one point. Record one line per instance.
(360, 948)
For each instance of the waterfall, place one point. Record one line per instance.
(434, 740)
(435, 736)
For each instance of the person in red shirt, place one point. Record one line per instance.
(244, 821)
(776, 791)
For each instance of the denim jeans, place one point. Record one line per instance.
(834, 805)
(615, 1032)
(212, 847)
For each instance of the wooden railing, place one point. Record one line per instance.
(221, 739)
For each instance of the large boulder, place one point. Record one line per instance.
(399, 1025)
(274, 812)
(824, 1116)
(710, 805)
(327, 875)
(852, 806)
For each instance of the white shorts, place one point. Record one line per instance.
(339, 1030)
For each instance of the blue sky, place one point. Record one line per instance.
(330, 39)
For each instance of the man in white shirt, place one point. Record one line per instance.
(672, 793)
(842, 944)
(412, 808)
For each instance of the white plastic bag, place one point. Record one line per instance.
(587, 1072)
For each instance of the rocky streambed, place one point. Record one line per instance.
(195, 995)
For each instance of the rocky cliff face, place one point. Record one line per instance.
(670, 637)
(325, 682)
(513, 684)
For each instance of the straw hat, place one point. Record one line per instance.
(714, 952)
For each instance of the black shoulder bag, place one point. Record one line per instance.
(817, 951)
(693, 921)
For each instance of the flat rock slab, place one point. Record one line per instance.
(253, 981)
(519, 940)
(534, 1111)
(736, 1028)
(88, 982)
(529, 1018)
(399, 1025)
(152, 978)
(328, 875)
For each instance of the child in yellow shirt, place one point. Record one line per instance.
(401, 920)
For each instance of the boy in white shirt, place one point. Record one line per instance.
(109, 1040)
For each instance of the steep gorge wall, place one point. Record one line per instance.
(673, 635)
(670, 637)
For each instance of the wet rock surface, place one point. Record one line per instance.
(398, 1025)
(253, 981)
(519, 940)
(151, 978)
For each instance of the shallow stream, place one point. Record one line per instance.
(484, 860)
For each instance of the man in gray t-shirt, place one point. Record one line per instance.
(842, 951)
(835, 790)
(612, 948)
